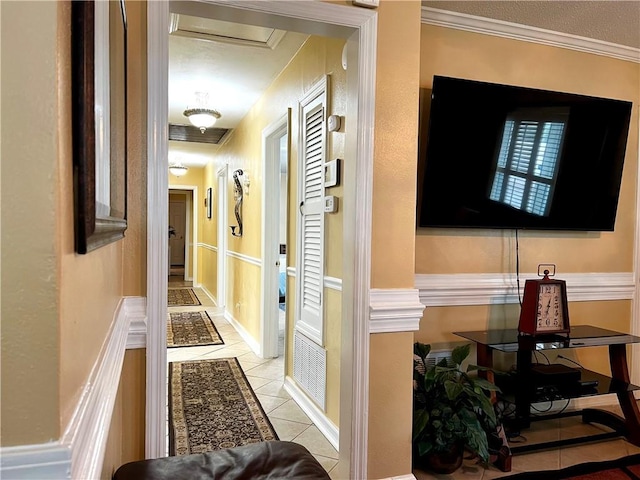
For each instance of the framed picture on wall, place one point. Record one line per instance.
(99, 123)
(207, 202)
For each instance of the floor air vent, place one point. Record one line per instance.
(310, 367)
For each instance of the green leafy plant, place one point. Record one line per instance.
(451, 406)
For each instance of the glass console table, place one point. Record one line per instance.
(524, 388)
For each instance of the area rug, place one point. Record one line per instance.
(179, 297)
(212, 406)
(189, 329)
(624, 468)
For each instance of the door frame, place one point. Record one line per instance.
(271, 232)
(222, 179)
(359, 27)
(191, 230)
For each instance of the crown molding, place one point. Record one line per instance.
(516, 31)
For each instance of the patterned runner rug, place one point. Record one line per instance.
(188, 329)
(212, 406)
(178, 297)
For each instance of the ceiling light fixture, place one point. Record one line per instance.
(202, 118)
(178, 169)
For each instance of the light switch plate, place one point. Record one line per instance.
(332, 173)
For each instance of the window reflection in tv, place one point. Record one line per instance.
(501, 156)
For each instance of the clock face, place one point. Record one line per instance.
(550, 309)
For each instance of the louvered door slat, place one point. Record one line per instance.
(309, 310)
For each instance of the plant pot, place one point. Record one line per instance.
(445, 462)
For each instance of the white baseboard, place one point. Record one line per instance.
(87, 433)
(246, 336)
(47, 461)
(317, 416)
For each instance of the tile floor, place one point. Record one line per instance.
(266, 376)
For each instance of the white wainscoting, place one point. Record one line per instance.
(516, 31)
(79, 453)
(497, 288)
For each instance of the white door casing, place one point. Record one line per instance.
(271, 221)
(222, 236)
(312, 148)
(359, 26)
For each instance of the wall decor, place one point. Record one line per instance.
(99, 123)
(237, 194)
(207, 202)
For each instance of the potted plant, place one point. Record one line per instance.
(452, 410)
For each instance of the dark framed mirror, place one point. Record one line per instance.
(99, 39)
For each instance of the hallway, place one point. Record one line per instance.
(266, 377)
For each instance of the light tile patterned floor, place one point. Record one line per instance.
(266, 377)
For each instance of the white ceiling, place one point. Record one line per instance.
(235, 63)
(232, 64)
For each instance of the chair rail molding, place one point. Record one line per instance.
(331, 283)
(136, 310)
(245, 258)
(394, 310)
(499, 288)
(206, 246)
(516, 31)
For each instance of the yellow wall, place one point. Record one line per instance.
(492, 59)
(30, 274)
(243, 150)
(486, 58)
(207, 257)
(393, 231)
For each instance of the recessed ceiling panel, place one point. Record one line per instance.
(217, 30)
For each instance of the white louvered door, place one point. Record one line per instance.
(310, 232)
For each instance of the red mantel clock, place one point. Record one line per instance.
(544, 308)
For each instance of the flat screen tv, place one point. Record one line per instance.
(500, 156)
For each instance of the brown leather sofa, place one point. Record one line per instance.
(260, 461)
